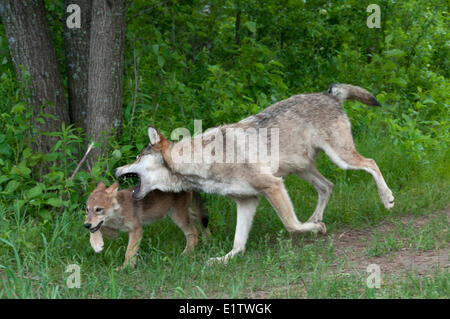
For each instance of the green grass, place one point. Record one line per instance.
(34, 254)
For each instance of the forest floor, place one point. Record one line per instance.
(410, 250)
(397, 246)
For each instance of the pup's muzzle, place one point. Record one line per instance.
(93, 229)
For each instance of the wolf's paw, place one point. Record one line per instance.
(313, 227)
(318, 227)
(215, 261)
(224, 260)
(388, 199)
(321, 228)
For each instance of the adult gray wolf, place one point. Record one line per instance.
(109, 211)
(305, 124)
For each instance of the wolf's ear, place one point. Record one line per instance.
(153, 135)
(100, 186)
(112, 190)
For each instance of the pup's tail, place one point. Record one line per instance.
(352, 92)
(199, 209)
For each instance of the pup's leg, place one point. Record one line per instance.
(276, 194)
(199, 212)
(246, 208)
(323, 188)
(134, 239)
(180, 216)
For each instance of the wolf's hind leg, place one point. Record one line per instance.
(276, 194)
(323, 187)
(348, 158)
(339, 146)
(246, 208)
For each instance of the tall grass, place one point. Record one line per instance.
(35, 252)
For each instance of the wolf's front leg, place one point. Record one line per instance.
(134, 239)
(246, 208)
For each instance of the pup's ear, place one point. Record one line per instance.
(112, 190)
(153, 135)
(100, 186)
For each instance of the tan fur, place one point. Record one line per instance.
(351, 92)
(306, 123)
(119, 212)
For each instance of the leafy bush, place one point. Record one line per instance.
(189, 67)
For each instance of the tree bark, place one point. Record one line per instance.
(104, 113)
(76, 43)
(31, 46)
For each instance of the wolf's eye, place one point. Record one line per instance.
(98, 209)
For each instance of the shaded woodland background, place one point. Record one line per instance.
(166, 63)
(137, 63)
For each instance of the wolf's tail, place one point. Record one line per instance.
(351, 92)
(199, 209)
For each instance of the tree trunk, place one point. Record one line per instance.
(76, 43)
(30, 44)
(104, 113)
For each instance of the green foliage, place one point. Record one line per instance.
(190, 66)
(35, 183)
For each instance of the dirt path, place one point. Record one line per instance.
(351, 248)
(351, 245)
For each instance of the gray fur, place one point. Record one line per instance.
(307, 124)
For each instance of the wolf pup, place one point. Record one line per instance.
(304, 125)
(109, 211)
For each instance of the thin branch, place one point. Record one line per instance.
(146, 10)
(82, 161)
(76, 171)
(136, 85)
